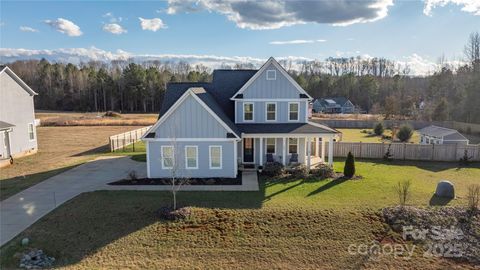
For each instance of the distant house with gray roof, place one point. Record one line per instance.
(333, 105)
(440, 135)
(17, 117)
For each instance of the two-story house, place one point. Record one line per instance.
(243, 118)
(333, 105)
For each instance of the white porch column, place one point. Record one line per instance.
(323, 150)
(317, 147)
(284, 150)
(261, 152)
(309, 150)
(330, 151)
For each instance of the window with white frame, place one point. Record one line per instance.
(293, 108)
(271, 145)
(31, 132)
(271, 75)
(167, 157)
(293, 145)
(271, 111)
(191, 157)
(248, 112)
(215, 156)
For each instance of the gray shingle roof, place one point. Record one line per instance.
(5, 125)
(439, 132)
(293, 128)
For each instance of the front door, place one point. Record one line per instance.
(248, 150)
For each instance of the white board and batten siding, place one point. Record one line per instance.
(190, 124)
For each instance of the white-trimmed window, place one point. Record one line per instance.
(167, 156)
(31, 132)
(191, 157)
(293, 145)
(248, 111)
(271, 146)
(271, 111)
(293, 111)
(271, 75)
(215, 156)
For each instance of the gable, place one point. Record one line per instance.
(190, 120)
(7, 72)
(278, 86)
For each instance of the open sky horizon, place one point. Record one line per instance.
(415, 32)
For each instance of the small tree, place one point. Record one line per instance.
(405, 133)
(378, 129)
(403, 191)
(349, 169)
(473, 197)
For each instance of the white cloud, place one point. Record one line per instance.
(65, 26)
(152, 24)
(112, 18)
(296, 41)
(418, 65)
(28, 29)
(273, 14)
(114, 28)
(471, 6)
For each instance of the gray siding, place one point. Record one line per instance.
(16, 107)
(281, 87)
(228, 160)
(190, 120)
(260, 113)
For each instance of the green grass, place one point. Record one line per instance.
(356, 135)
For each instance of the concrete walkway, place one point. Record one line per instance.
(23, 209)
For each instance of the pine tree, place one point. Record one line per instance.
(349, 169)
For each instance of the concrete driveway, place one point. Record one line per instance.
(22, 209)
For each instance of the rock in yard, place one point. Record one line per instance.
(445, 189)
(25, 241)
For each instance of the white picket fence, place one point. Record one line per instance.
(120, 141)
(406, 151)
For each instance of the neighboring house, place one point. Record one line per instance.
(441, 135)
(333, 105)
(17, 119)
(242, 118)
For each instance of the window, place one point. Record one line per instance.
(215, 157)
(292, 145)
(167, 157)
(191, 157)
(271, 75)
(271, 109)
(271, 145)
(248, 112)
(31, 132)
(293, 111)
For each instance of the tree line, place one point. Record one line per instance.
(374, 85)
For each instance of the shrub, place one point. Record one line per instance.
(378, 129)
(273, 169)
(323, 171)
(403, 192)
(299, 171)
(388, 155)
(132, 175)
(465, 160)
(405, 133)
(349, 169)
(473, 197)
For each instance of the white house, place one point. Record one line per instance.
(17, 118)
(440, 135)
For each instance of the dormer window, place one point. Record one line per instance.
(248, 112)
(271, 75)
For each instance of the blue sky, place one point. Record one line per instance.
(399, 30)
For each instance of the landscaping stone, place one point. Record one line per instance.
(36, 259)
(445, 189)
(25, 241)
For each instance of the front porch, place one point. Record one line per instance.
(289, 149)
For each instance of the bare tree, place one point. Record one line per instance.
(472, 50)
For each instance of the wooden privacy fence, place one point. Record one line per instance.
(405, 151)
(120, 141)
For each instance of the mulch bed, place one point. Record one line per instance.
(191, 181)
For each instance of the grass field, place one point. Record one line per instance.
(356, 135)
(94, 119)
(60, 148)
(287, 224)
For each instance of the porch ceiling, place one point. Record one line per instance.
(5, 125)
